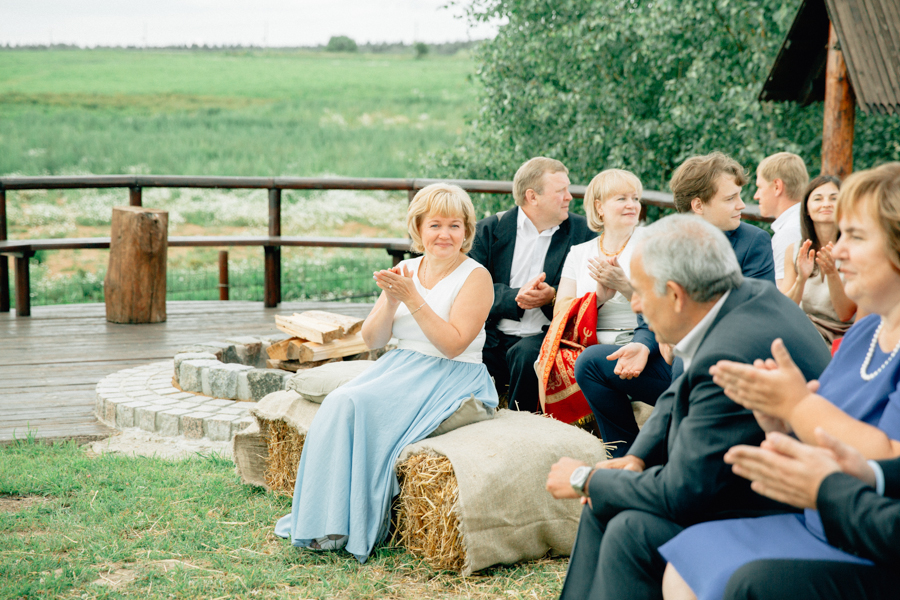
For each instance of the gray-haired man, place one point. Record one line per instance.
(689, 287)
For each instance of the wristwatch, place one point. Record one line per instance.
(579, 479)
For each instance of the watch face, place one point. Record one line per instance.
(579, 478)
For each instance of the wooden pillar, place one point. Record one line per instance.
(135, 196)
(840, 113)
(4, 261)
(135, 287)
(272, 283)
(223, 274)
(23, 284)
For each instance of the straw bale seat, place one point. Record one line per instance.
(468, 499)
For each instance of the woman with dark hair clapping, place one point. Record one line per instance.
(811, 278)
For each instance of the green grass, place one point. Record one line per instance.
(76, 526)
(227, 113)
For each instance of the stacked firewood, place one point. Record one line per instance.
(318, 337)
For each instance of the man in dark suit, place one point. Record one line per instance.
(859, 503)
(688, 285)
(610, 376)
(524, 249)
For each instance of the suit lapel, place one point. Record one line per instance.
(505, 243)
(556, 253)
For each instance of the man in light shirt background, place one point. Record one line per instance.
(781, 181)
(524, 249)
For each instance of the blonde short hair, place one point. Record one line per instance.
(442, 199)
(876, 192)
(697, 177)
(530, 176)
(790, 169)
(605, 185)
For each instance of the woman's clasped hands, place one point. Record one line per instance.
(397, 284)
(610, 278)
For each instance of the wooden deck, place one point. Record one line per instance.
(51, 362)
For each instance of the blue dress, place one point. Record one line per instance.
(706, 555)
(346, 478)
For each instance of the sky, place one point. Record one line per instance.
(231, 22)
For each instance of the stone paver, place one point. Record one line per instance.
(131, 398)
(206, 390)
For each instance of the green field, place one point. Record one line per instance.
(227, 113)
(252, 113)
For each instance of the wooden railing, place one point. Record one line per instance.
(22, 250)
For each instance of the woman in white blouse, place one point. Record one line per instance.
(612, 204)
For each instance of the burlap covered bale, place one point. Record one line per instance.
(250, 455)
(284, 419)
(641, 411)
(476, 496)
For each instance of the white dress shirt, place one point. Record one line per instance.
(785, 231)
(528, 262)
(687, 347)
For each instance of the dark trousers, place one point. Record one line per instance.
(610, 396)
(510, 361)
(617, 559)
(810, 579)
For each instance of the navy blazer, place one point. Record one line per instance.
(694, 423)
(494, 245)
(859, 521)
(753, 249)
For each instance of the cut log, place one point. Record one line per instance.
(350, 325)
(294, 365)
(279, 350)
(311, 351)
(135, 286)
(309, 329)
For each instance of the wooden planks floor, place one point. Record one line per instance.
(51, 362)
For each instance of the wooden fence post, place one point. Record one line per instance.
(4, 261)
(272, 284)
(135, 196)
(135, 286)
(23, 284)
(223, 274)
(840, 112)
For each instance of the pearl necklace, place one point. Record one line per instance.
(618, 252)
(871, 353)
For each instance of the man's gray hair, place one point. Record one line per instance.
(691, 252)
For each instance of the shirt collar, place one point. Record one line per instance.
(687, 347)
(524, 223)
(788, 215)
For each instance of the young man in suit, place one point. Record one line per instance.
(688, 285)
(524, 249)
(612, 376)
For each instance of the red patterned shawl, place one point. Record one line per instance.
(573, 329)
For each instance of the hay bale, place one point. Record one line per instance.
(476, 496)
(427, 515)
(284, 419)
(284, 446)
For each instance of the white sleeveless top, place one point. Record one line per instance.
(615, 319)
(440, 298)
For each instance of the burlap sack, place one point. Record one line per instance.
(250, 456)
(641, 411)
(505, 513)
(289, 407)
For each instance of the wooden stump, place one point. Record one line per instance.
(135, 288)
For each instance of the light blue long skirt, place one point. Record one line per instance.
(346, 479)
